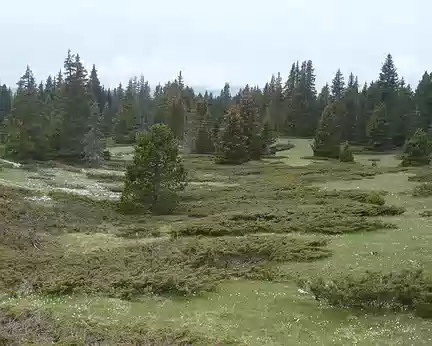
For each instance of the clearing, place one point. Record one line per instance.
(229, 267)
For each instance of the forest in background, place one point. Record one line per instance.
(72, 115)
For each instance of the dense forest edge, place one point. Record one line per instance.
(71, 116)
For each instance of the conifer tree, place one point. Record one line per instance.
(423, 99)
(156, 175)
(417, 150)
(5, 102)
(378, 129)
(351, 102)
(338, 86)
(93, 140)
(250, 124)
(231, 147)
(26, 129)
(327, 137)
(76, 104)
(127, 118)
(203, 137)
(96, 89)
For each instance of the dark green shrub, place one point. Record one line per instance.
(156, 175)
(406, 290)
(346, 154)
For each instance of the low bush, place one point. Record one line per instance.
(405, 290)
(423, 190)
(29, 327)
(181, 267)
(105, 176)
(422, 177)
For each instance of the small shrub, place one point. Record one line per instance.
(426, 213)
(106, 154)
(423, 190)
(422, 177)
(346, 154)
(406, 290)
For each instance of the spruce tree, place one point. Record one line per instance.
(156, 175)
(96, 89)
(250, 124)
(93, 140)
(417, 150)
(423, 100)
(351, 102)
(5, 102)
(231, 147)
(338, 86)
(76, 116)
(26, 128)
(203, 137)
(327, 137)
(378, 129)
(128, 116)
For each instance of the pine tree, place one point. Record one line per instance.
(96, 89)
(378, 129)
(76, 107)
(127, 124)
(93, 140)
(338, 86)
(327, 137)
(423, 99)
(324, 98)
(417, 150)
(231, 147)
(5, 102)
(250, 124)
(156, 175)
(203, 137)
(351, 102)
(26, 133)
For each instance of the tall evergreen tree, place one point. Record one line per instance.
(231, 147)
(26, 130)
(351, 102)
(76, 99)
(328, 134)
(338, 86)
(378, 128)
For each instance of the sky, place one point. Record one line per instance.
(235, 41)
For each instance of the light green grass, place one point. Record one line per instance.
(252, 313)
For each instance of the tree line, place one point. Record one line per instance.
(71, 115)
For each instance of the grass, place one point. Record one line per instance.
(224, 269)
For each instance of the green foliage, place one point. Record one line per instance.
(346, 154)
(423, 190)
(177, 267)
(231, 147)
(18, 326)
(378, 128)
(327, 137)
(106, 155)
(203, 138)
(156, 174)
(406, 290)
(417, 150)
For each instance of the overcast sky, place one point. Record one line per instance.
(239, 41)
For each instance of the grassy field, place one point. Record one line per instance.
(230, 267)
